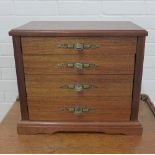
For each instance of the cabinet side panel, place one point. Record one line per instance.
(20, 77)
(137, 78)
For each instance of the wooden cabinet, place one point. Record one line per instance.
(84, 76)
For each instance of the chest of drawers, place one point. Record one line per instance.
(79, 76)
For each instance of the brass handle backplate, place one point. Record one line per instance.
(78, 110)
(77, 65)
(78, 46)
(78, 86)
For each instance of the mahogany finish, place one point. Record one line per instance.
(106, 64)
(76, 143)
(130, 128)
(116, 107)
(79, 28)
(105, 85)
(117, 76)
(107, 45)
(20, 77)
(137, 78)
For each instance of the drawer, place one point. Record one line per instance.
(79, 64)
(79, 85)
(78, 45)
(79, 109)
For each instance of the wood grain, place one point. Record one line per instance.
(76, 143)
(20, 77)
(137, 78)
(109, 64)
(103, 108)
(127, 128)
(108, 45)
(106, 85)
(118, 75)
(79, 28)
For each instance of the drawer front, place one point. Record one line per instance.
(79, 109)
(79, 85)
(79, 64)
(103, 95)
(78, 45)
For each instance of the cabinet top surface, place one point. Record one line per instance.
(58, 28)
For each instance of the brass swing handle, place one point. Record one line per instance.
(77, 65)
(78, 86)
(78, 110)
(78, 46)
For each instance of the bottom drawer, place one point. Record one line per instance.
(79, 109)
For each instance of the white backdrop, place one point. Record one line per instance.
(13, 13)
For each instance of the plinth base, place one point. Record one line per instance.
(35, 127)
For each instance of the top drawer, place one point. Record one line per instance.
(78, 45)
